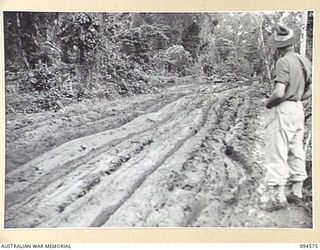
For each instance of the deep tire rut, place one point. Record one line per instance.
(20, 204)
(173, 195)
(34, 181)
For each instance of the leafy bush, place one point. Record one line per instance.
(41, 78)
(141, 39)
(79, 29)
(51, 86)
(44, 78)
(225, 47)
(176, 60)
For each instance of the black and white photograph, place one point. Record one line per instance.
(158, 119)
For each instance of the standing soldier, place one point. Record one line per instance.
(285, 157)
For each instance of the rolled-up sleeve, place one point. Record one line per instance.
(282, 71)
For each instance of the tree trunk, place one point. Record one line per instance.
(258, 24)
(266, 62)
(64, 54)
(97, 61)
(23, 52)
(303, 49)
(303, 37)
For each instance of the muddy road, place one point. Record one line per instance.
(188, 156)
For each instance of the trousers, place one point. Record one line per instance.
(285, 157)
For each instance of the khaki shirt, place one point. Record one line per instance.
(289, 71)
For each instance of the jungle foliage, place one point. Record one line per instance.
(52, 59)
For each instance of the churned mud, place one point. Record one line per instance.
(190, 156)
